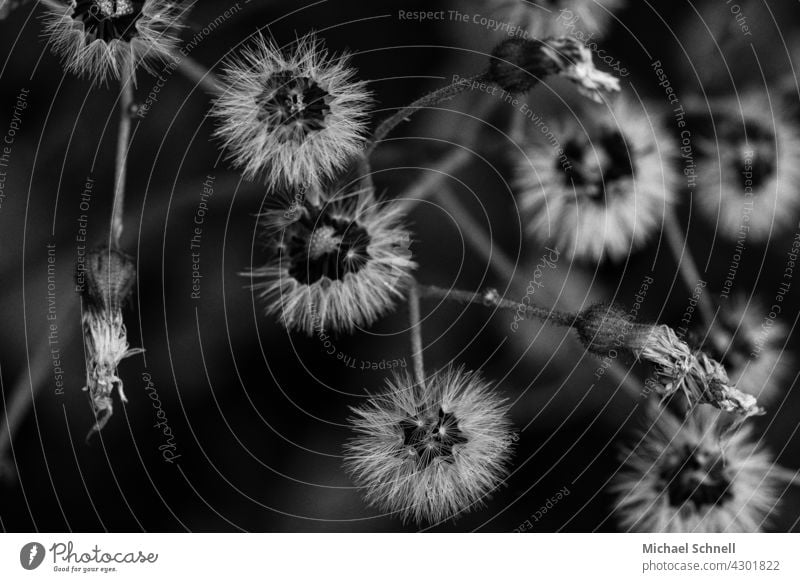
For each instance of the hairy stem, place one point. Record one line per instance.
(491, 298)
(416, 335)
(123, 148)
(429, 100)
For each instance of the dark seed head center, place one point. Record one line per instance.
(696, 477)
(108, 20)
(294, 101)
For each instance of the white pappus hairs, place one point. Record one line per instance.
(335, 264)
(428, 453)
(598, 188)
(690, 476)
(294, 117)
(747, 172)
(106, 39)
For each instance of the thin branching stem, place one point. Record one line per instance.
(199, 74)
(123, 148)
(451, 163)
(505, 269)
(423, 187)
(430, 100)
(491, 298)
(415, 330)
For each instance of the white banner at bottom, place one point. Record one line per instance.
(401, 557)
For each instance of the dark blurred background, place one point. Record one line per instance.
(258, 414)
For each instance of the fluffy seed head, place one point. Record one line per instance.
(748, 172)
(430, 452)
(597, 188)
(686, 477)
(103, 39)
(295, 118)
(336, 264)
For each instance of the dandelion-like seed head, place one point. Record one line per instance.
(747, 173)
(601, 190)
(105, 38)
(335, 264)
(686, 477)
(295, 118)
(110, 276)
(430, 452)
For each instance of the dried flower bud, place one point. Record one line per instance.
(721, 394)
(605, 328)
(110, 276)
(517, 65)
(701, 379)
(575, 63)
(106, 342)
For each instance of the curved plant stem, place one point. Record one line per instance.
(475, 235)
(429, 100)
(448, 165)
(686, 265)
(416, 335)
(199, 74)
(505, 269)
(491, 298)
(123, 148)
(422, 188)
(364, 171)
